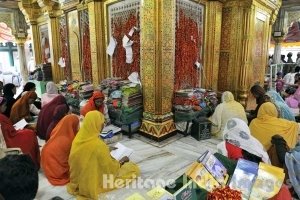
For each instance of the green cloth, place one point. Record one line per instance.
(127, 91)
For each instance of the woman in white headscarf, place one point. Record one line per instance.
(239, 143)
(51, 93)
(229, 108)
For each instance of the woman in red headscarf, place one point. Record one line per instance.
(24, 139)
(96, 102)
(46, 115)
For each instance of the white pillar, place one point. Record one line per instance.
(22, 60)
(277, 53)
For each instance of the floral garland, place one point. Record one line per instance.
(63, 32)
(86, 47)
(121, 27)
(86, 51)
(187, 51)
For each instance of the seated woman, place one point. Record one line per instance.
(24, 139)
(51, 93)
(226, 110)
(283, 109)
(87, 172)
(9, 91)
(268, 124)
(260, 95)
(46, 115)
(55, 153)
(239, 143)
(59, 112)
(29, 86)
(290, 99)
(96, 102)
(21, 109)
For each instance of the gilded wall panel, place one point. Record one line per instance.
(226, 29)
(223, 71)
(258, 68)
(168, 54)
(74, 43)
(148, 54)
(212, 45)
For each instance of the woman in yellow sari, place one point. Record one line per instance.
(92, 169)
(268, 124)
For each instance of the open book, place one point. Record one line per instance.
(122, 151)
(215, 167)
(20, 124)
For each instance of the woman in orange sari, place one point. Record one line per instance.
(24, 139)
(21, 109)
(55, 153)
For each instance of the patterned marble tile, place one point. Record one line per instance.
(155, 163)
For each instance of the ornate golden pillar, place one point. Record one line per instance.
(53, 27)
(97, 32)
(246, 53)
(36, 47)
(22, 58)
(244, 48)
(157, 66)
(212, 45)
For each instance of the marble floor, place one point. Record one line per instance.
(166, 163)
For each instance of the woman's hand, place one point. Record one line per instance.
(29, 118)
(112, 148)
(124, 160)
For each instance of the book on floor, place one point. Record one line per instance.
(214, 166)
(109, 131)
(200, 175)
(243, 177)
(159, 193)
(135, 196)
(121, 151)
(268, 182)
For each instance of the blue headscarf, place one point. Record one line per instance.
(283, 109)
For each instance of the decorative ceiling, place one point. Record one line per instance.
(11, 4)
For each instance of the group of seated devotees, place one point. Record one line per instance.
(75, 156)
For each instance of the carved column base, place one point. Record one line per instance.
(158, 127)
